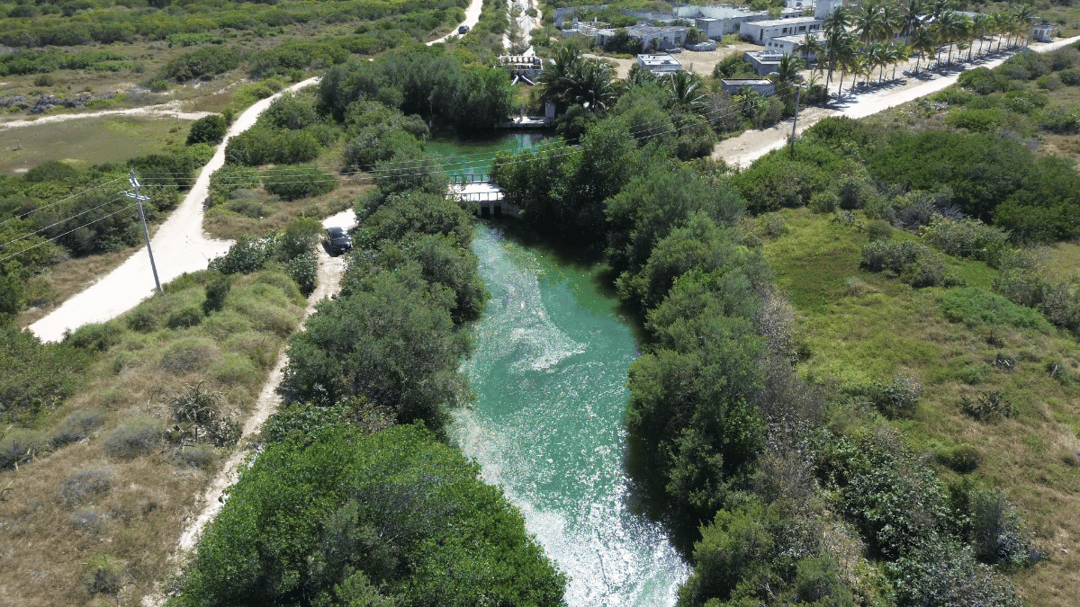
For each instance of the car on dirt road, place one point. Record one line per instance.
(338, 241)
(463, 29)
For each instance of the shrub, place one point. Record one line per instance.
(139, 436)
(304, 269)
(77, 426)
(963, 459)
(202, 457)
(19, 445)
(83, 486)
(302, 182)
(142, 319)
(879, 256)
(217, 288)
(1070, 77)
(246, 256)
(103, 575)
(967, 237)
(300, 236)
(1061, 121)
(96, 337)
(825, 201)
(897, 398)
(879, 230)
(208, 129)
(185, 318)
(988, 407)
(88, 520)
(943, 573)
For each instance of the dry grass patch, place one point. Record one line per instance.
(96, 518)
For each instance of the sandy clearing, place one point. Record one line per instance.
(751, 145)
(165, 110)
(179, 246)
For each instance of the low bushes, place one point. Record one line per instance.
(136, 437)
(83, 486)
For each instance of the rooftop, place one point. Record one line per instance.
(657, 60)
(787, 22)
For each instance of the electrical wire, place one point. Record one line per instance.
(58, 236)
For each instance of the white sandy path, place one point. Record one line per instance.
(166, 110)
(472, 17)
(751, 145)
(179, 246)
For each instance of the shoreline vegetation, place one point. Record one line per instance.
(855, 376)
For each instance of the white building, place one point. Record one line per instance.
(759, 85)
(659, 64)
(762, 31)
(789, 45)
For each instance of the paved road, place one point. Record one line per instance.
(751, 145)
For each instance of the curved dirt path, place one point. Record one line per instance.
(472, 17)
(751, 145)
(165, 110)
(179, 246)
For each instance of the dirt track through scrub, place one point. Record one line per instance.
(331, 271)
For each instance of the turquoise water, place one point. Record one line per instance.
(549, 374)
(473, 156)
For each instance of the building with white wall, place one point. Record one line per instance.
(763, 31)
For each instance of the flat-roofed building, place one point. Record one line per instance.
(761, 86)
(659, 64)
(762, 31)
(763, 62)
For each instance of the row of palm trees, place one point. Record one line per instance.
(880, 33)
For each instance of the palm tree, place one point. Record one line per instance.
(954, 29)
(912, 17)
(859, 65)
(1025, 14)
(686, 90)
(837, 21)
(922, 42)
(978, 30)
(810, 45)
(838, 47)
(891, 20)
(868, 21)
(789, 68)
(590, 84)
(557, 71)
(898, 52)
(877, 55)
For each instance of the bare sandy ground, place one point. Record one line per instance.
(751, 145)
(179, 246)
(165, 110)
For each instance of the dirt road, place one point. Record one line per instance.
(472, 17)
(179, 246)
(751, 145)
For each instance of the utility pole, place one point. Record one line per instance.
(142, 216)
(795, 122)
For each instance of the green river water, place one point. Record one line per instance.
(549, 374)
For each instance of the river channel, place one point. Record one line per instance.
(549, 374)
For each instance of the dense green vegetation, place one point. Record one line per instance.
(330, 516)
(807, 490)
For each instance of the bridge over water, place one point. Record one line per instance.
(479, 189)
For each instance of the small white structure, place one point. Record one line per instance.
(758, 85)
(763, 62)
(1044, 32)
(789, 45)
(712, 28)
(763, 31)
(708, 45)
(659, 64)
(824, 8)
